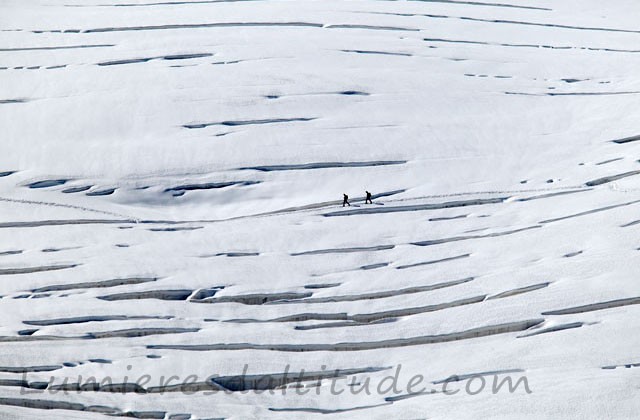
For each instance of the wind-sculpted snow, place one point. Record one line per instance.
(549, 195)
(325, 410)
(175, 229)
(13, 101)
(378, 52)
(462, 377)
(524, 23)
(439, 219)
(42, 223)
(223, 383)
(626, 366)
(237, 123)
(179, 294)
(466, 238)
(344, 250)
(83, 319)
(107, 191)
(59, 47)
(23, 369)
(205, 25)
(321, 285)
(604, 162)
(519, 290)
(208, 186)
(127, 333)
(607, 179)
(555, 328)
(573, 254)
(76, 189)
(633, 223)
(374, 266)
(343, 324)
(481, 3)
(146, 59)
(257, 298)
(369, 318)
(361, 346)
(589, 212)
(38, 269)
(324, 165)
(573, 93)
(100, 410)
(627, 139)
(457, 257)
(379, 295)
(235, 254)
(47, 183)
(537, 46)
(12, 252)
(97, 284)
(173, 239)
(595, 306)
(419, 207)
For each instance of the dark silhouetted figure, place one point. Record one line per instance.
(368, 199)
(345, 200)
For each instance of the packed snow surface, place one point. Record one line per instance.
(171, 175)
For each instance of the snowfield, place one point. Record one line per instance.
(172, 239)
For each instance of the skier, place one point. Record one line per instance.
(345, 200)
(368, 199)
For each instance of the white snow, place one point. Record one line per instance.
(198, 151)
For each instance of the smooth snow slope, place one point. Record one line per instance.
(170, 184)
